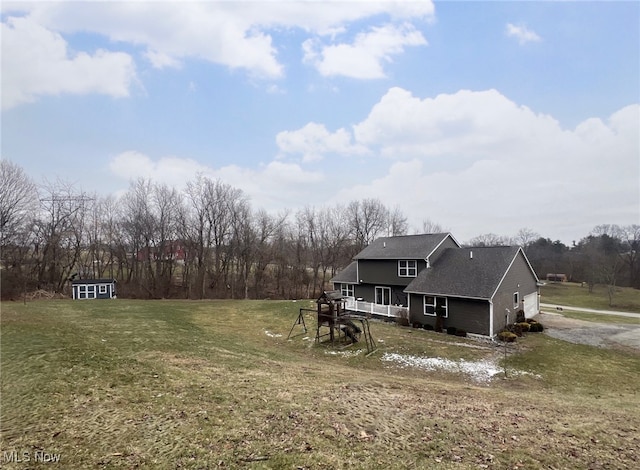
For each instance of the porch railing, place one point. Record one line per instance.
(374, 309)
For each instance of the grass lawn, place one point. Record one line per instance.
(187, 384)
(625, 299)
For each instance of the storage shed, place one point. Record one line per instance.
(93, 289)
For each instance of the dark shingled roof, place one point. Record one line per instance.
(456, 274)
(403, 247)
(348, 274)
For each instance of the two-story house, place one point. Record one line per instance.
(475, 289)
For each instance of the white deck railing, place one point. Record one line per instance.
(374, 309)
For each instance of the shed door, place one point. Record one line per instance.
(531, 307)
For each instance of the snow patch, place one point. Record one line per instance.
(272, 335)
(480, 371)
(343, 353)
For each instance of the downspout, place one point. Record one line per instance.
(491, 335)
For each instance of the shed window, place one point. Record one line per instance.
(436, 306)
(407, 268)
(103, 288)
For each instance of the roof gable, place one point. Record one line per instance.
(404, 247)
(348, 275)
(466, 272)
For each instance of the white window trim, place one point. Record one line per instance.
(435, 297)
(516, 299)
(102, 289)
(384, 288)
(410, 266)
(346, 289)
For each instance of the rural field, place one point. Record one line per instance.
(216, 384)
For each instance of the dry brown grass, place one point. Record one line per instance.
(201, 385)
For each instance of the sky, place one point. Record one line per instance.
(483, 117)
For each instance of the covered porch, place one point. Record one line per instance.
(391, 311)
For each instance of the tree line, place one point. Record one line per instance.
(207, 241)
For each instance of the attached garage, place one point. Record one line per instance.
(531, 305)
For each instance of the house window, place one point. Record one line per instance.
(346, 290)
(436, 306)
(383, 296)
(102, 289)
(407, 268)
(516, 299)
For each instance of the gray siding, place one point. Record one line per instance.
(467, 314)
(384, 272)
(519, 279)
(367, 292)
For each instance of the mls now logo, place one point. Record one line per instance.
(38, 456)
(16, 457)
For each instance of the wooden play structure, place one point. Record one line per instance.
(338, 323)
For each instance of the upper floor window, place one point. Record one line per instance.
(407, 268)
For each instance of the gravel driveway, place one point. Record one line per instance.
(591, 333)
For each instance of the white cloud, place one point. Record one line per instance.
(160, 60)
(472, 123)
(313, 141)
(364, 58)
(275, 186)
(521, 33)
(36, 59)
(233, 34)
(478, 162)
(174, 171)
(37, 62)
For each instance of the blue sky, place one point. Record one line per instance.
(485, 117)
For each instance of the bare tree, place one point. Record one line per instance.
(60, 233)
(525, 237)
(396, 222)
(18, 201)
(489, 239)
(18, 206)
(368, 219)
(429, 226)
(630, 238)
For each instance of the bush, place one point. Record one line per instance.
(516, 329)
(462, 333)
(428, 327)
(524, 326)
(507, 336)
(520, 316)
(536, 327)
(451, 330)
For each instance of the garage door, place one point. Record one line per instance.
(531, 307)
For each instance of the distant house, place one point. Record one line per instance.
(423, 277)
(93, 289)
(556, 277)
(170, 251)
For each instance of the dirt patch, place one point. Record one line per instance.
(597, 334)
